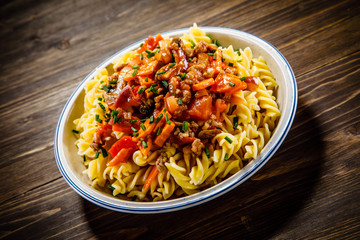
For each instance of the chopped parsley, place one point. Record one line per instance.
(158, 131)
(162, 72)
(192, 43)
(151, 119)
(104, 153)
(106, 88)
(159, 117)
(141, 90)
(134, 73)
(182, 75)
(165, 83)
(185, 126)
(236, 122)
(134, 129)
(97, 118)
(167, 119)
(207, 152)
(102, 107)
(228, 139)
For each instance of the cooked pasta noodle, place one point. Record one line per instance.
(175, 116)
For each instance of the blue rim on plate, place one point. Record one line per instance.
(187, 201)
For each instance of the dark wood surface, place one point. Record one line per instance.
(310, 189)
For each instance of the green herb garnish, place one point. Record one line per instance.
(207, 152)
(141, 90)
(236, 122)
(162, 72)
(182, 75)
(165, 84)
(102, 107)
(159, 117)
(185, 126)
(134, 129)
(134, 73)
(106, 88)
(192, 43)
(97, 118)
(228, 139)
(104, 153)
(158, 131)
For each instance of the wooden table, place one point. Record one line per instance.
(308, 190)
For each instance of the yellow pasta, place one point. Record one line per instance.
(143, 139)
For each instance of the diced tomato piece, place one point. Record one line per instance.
(200, 109)
(227, 83)
(171, 104)
(252, 83)
(127, 99)
(220, 107)
(124, 142)
(148, 69)
(122, 128)
(217, 64)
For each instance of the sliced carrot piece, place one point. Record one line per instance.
(165, 134)
(143, 133)
(122, 156)
(145, 151)
(154, 172)
(203, 84)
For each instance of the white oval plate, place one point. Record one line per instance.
(71, 166)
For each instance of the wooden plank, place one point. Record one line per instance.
(267, 204)
(307, 190)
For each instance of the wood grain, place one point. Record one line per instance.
(308, 190)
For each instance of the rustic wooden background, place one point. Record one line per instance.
(308, 190)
